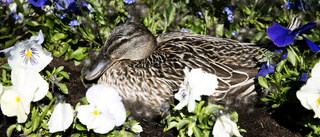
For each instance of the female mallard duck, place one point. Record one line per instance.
(147, 69)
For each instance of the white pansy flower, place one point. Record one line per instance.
(61, 118)
(104, 111)
(309, 94)
(32, 83)
(28, 54)
(196, 83)
(13, 103)
(224, 127)
(136, 128)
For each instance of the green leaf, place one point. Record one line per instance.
(10, 130)
(280, 65)
(247, 10)
(32, 23)
(212, 107)
(76, 135)
(80, 127)
(49, 95)
(275, 105)
(196, 131)
(77, 54)
(182, 123)
(219, 29)
(63, 88)
(65, 74)
(61, 50)
(259, 36)
(170, 14)
(59, 36)
(59, 69)
(35, 123)
(157, 4)
(263, 82)
(171, 125)
(265, 99)
(84, 101)
(291, 58)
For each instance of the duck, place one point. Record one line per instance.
(147, 69)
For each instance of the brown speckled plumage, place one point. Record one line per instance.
(153, 79)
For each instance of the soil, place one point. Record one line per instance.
(263, 122)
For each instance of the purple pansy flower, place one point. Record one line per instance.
(284, 52)
(282, 36)
(265, 69)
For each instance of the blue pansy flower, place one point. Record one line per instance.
(128, 1)
(230, 18)
(129, 16)
(304, 77)
(73, 23)
(289, 5)
(16, 17)
(6, 1)
(284, 52)
(234, 33)
(227, 10)
(265, 69)
(12, 12)
(199, 13)
(282, 36)
(303, 4)
(38, 3)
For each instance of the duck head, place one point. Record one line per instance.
(129, 41)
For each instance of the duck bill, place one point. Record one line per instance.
(98, 68)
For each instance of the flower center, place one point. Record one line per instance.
(18, 99)
(95, 112)
(318, 100)
(29, 54)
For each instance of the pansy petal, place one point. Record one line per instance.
(43, 88)
(103, 127)
(38, 39)
(306, 27)
(61, 118)
(202, 82)
(313, 46)
(224, 127)
(265, 69)
(8, 101)
(304, 77)
(7, 51)
(281, 36)
(99, 93)
(38, 3)
(13, 104)
(191, 105)
(181, 104)
(25, 81)
(315, 72)
(30, 56)
(118, 112)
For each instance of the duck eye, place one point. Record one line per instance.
(123, 41)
